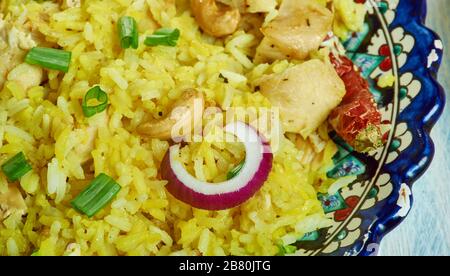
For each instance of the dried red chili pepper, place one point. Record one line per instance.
(357, 119)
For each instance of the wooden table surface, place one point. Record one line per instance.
(426, 231)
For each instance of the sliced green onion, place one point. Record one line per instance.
(286, 249)
(49, 58)
(164, 37)
(235, 171)
(95, 197)
(16, 167)
(128, 32)
(98, 94)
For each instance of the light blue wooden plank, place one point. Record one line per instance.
(426, 231)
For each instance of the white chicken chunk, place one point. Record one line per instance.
(72, 3)
(9, 59)
(268, 52)
(305, 94)
(87, 142)
(255, 6)
(26, 75)
(11, 201)
(14, 44)
(299, 29)
(86, 137)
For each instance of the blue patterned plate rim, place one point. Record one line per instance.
(421, 115)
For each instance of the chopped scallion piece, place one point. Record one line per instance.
(99, 193)
(98, 94)
(163, 37)
(49, 58)
(286, 249)
(16, 167)
(235, 171)
(128, 32)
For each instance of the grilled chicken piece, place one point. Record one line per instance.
(185, 111)
(14, 44)
(26, 75)
(299, 29)
(10, 58)
(12, 201)
(305, 94)
(267, 52)
(257, 6)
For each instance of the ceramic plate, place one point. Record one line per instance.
(400, 57)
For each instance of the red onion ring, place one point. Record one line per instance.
(228, 194)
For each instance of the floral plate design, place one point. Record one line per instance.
(400, 57)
